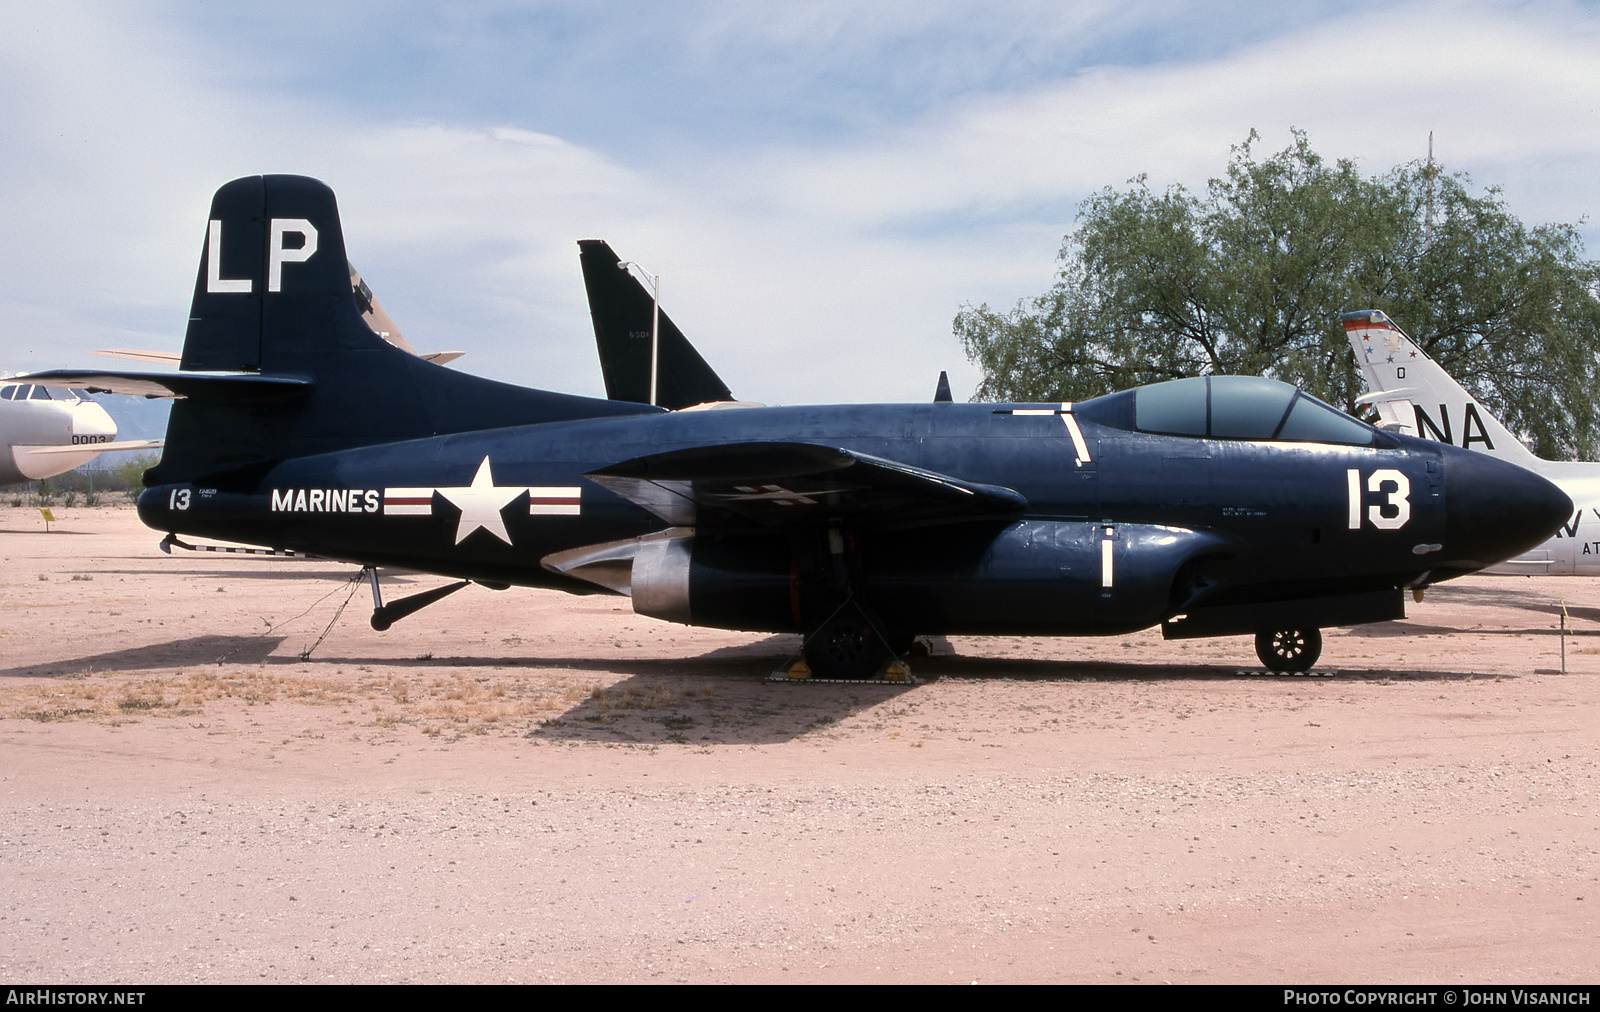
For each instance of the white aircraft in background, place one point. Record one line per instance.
(46, 432)
(1414, 395)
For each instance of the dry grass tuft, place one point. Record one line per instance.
(633, 697)
(458, 702)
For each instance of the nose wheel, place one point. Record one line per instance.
(1289, 649)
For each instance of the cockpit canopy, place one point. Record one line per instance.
(1230, 407)
(27, 392)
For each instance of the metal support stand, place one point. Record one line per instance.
(386, 615)
(1563, 635)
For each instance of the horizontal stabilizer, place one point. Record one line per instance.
(208, 386)
(171, 358)
(121, 444)
(787, 483)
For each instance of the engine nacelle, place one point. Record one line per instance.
(736, 581)
(661, 578)
(1039, 578)
(1029, 578)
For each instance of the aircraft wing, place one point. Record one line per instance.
(789, 483)
(227, 386)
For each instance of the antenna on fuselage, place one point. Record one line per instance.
(655, 323)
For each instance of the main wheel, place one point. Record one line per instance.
(1289, 649)
(845, 647)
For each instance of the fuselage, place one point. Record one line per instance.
(1123, 528)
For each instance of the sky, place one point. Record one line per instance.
(821, 185)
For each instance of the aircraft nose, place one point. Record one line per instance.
(1495, 510)
(90, 419)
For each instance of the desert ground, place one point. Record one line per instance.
(211, 770)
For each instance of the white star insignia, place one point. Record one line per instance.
(480, 504)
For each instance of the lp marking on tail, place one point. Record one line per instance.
(277, 255)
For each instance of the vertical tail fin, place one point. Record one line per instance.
(1415, 395)
(273, 260)
(274, 304)
(622, 315)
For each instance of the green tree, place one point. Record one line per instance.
(128, 472)
(1251, 277)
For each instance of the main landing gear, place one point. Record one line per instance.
(848, 645)
(850, 641)
(1291, 649)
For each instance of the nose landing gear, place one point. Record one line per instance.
(1291, 649)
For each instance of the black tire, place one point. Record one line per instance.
(1289, 649)
(845, 647)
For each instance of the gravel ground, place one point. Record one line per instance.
(531, 787)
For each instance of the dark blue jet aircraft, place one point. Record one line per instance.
(1211, 506)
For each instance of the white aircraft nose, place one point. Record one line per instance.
(90, 419)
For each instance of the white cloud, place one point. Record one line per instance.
(823, 269)
(1495, 89)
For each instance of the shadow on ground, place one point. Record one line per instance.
(284, 571)
(1500, 597)
(724, 696)
(51, 533)
(189, 652)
